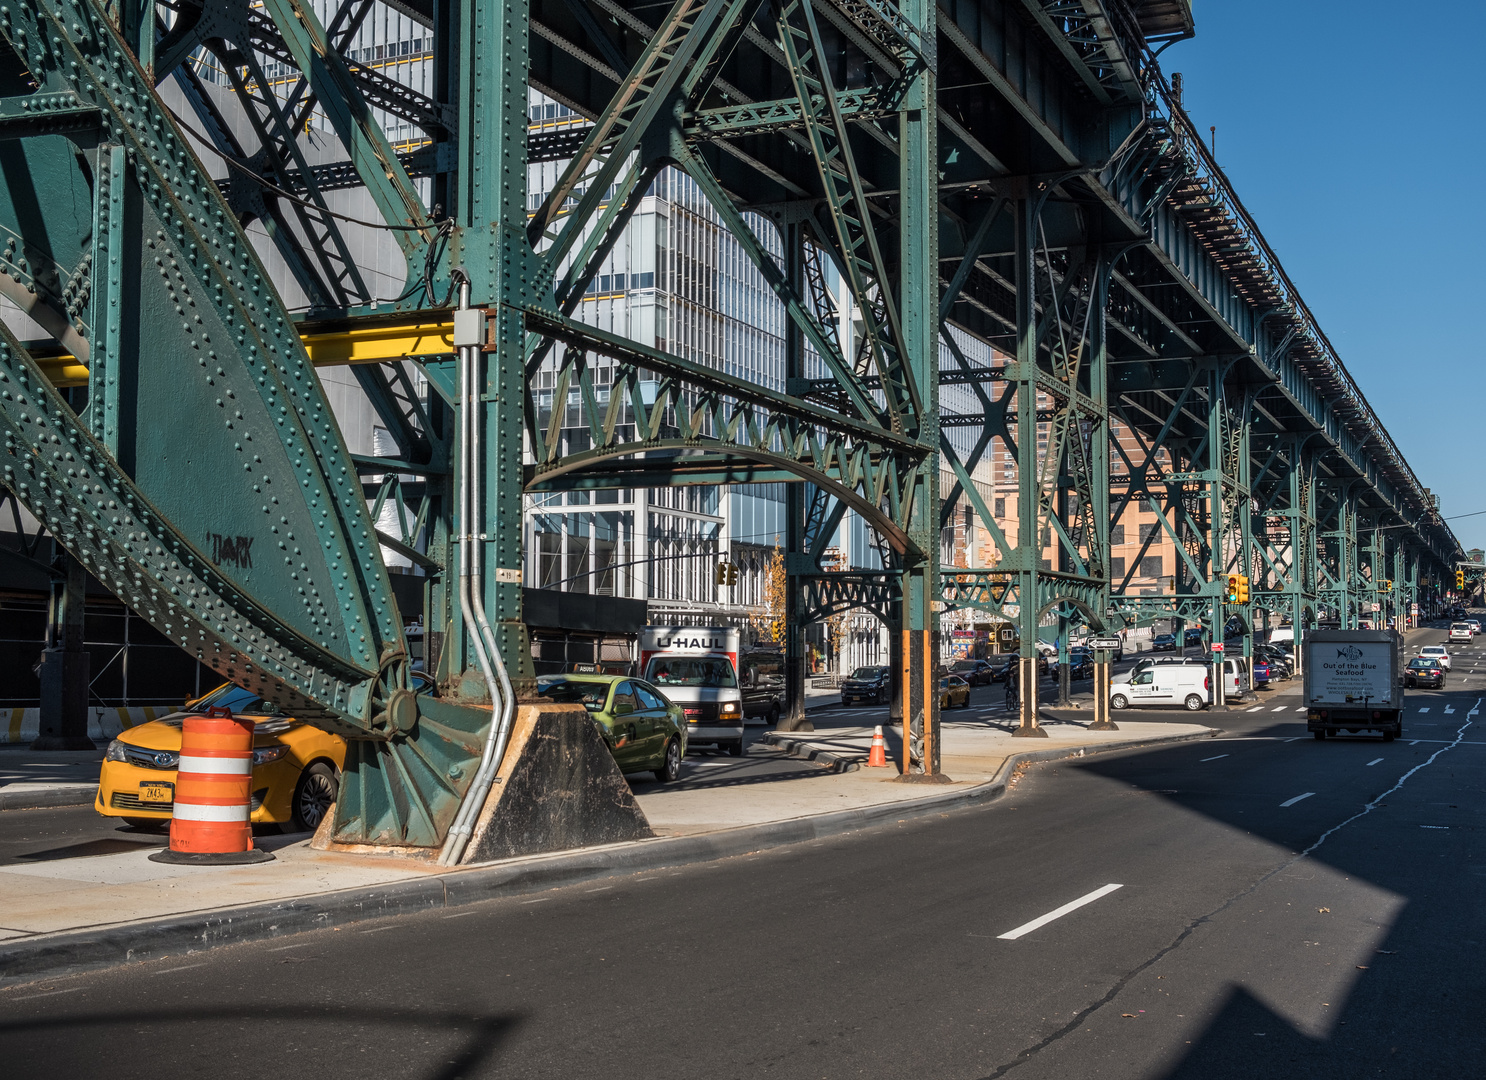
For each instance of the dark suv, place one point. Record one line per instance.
(762, 683)
(867, 686)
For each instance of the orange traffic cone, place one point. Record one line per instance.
(877, 759)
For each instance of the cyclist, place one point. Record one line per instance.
(1013, 697)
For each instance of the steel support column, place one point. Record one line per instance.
(795, 556)
(64, 672)
(1024, 375)
(917, 321)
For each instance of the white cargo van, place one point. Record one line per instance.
(696, 667)
(1163, 684)
(1235, 670)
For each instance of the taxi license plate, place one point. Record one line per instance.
(157, 793)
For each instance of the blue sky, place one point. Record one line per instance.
(1354, 135)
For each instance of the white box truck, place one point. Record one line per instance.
(1352, 683)
(696, 667)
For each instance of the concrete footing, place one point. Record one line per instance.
(558, 789)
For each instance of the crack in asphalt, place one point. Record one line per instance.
(1119, 985)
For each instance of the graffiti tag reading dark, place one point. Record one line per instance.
(236, 550)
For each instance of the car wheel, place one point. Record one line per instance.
(882, 697)
(1118, 702)
(1194, 702)
(670, 769)
(313, 796)
(774, 716)
(737, 748)
(1320, 736)
(1389, 736)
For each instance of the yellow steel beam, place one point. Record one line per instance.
(364, 345)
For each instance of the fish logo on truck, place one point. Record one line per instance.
(1351, 652)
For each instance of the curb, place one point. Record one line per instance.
(801, 749)
(26, 960)
(54, 795)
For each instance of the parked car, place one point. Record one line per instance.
(1005, 664)
(866, 686)
(296, 766)
(1474, 624)
(1163, 643)
(643, 730)
(954, 692)
(1192, 635)
(1260, 670)
(1080, 665)
(1188, 685)
(1438, 654)
(974, 672)
(1426, 674)
(1280, 662)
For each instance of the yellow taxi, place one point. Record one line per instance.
(296, 766)
(954, 693)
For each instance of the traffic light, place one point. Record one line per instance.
(1460, 579)
(1233, 580)
(727, 574)
(1243, 588)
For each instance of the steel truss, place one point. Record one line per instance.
(1016, 173)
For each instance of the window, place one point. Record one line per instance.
(624, 699)
(1000, 508)
(1117, 534)
(1150, 566)
(1117, 569)
(1148, 530)
(648, 699)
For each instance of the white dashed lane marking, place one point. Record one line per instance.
(1292, 802)
(1058, 913)
(1375, 760)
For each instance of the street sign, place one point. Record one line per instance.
(1104, 643)
(1217, 646)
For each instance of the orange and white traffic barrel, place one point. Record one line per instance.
(213, 793)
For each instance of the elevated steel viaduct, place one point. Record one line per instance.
(1017, 169)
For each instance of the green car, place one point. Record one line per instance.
(643, 730)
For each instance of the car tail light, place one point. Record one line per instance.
(1377, 716)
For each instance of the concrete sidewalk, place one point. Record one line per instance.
(102, 902)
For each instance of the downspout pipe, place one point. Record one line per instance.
(472, 606)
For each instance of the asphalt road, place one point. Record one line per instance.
(1285, 908)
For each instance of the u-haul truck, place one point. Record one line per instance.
(697, 668)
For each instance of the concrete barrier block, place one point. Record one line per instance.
(559, 789)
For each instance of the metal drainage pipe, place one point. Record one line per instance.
(472, 607)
